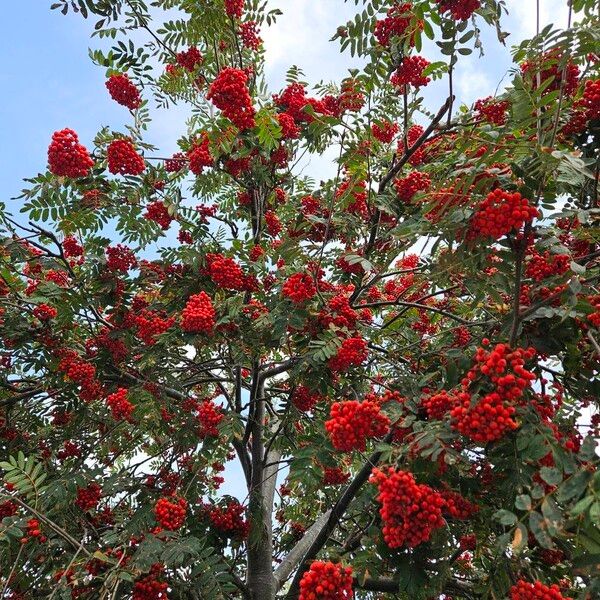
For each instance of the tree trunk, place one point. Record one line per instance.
(261, 581)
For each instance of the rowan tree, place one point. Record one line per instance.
(402, 360)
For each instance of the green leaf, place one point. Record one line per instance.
(551, 475)
(523, 502)
(505, 517)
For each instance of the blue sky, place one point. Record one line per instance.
(49, 82)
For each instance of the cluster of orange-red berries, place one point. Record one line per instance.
(352, 353)
(67, 157)
(189, 59)
(123, 91)
(123, 158)
(407, 187)
(44, 312)
(198, 316)
(326, 581)
(230, 519)
(229, 93)
(158, 212)
(503, 380)
(299, 288)
(460, 10)
(396, 22)
(523, 590)
(501, 213)
(352, 423)
(199, 156)
(410, 511)
(410, 72)
(150, 587)
(120, 406)
(170, 512)
(88, 497)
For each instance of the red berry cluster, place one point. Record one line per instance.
(385, 131)
(249, 35)
(352, 352)
(353, 422)
(149, 587)
(209, 415)
(71, 247)
(594, 318)
(305, 399)
(462, 337)
(123, 159)
(33, 532)
(502, 374)
(410, 72)
(299, 288)
(437, 406)
(395, 24)
(586, 109)
(492, 110)
(523, 590)
(170, 512)
(88, 497)
(8, 509)
(176, 163)
(273, 223)
(351, 98)
(294, 100)
(123, 91)
(410, 511)
(229, 93)
(326, 581)
(354, 196)
(199, 156)
(334, 476)
(120, 407)
(230, 519)
(256, 253)
(468, 542)
(458, 507)
(234, 8)
(189, 59)
(67, 157)
(542, 266)
(289, 129)
(75, 368)
(198, 316)
(81, 372)
(120, 258)
(412, 135)
(414, 182)
(500, 213)
(44, 312)
(158, 212)
(460, 10)
(225, 272)
(591, 99)
(552, 66)
(338, 312)
(150, 324)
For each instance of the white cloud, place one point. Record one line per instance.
(301, 37)
(522, 16)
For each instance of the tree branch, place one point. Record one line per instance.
(336, 513)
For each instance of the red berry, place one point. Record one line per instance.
(123, 91)
(123, 159)
(198, 316)
(67, 157)
(326, 581)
